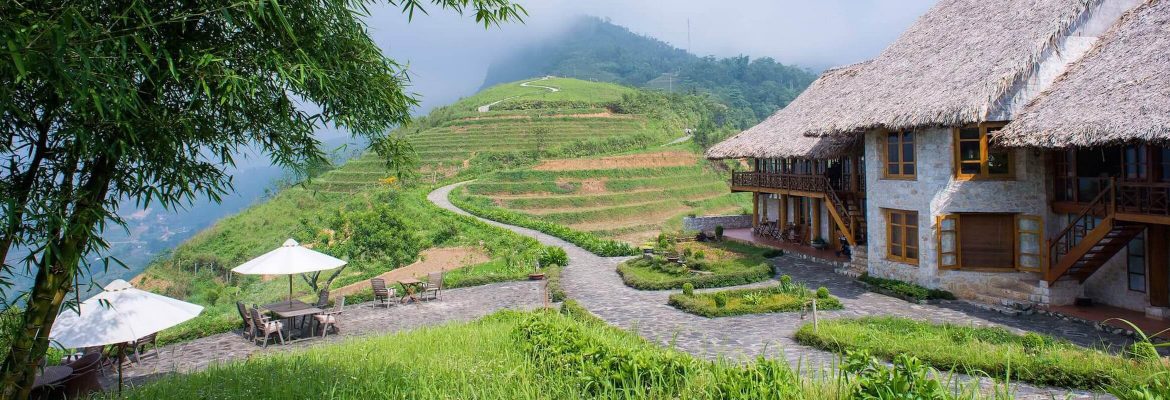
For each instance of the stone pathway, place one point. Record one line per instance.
(463, 304)
(592, 281)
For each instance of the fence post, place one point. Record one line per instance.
(814, 314)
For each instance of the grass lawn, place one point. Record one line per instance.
(982, 351)
(507, 355)
(784, 297)
(708, 265)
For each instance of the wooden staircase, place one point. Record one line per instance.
(847, 214)
(1093, 238)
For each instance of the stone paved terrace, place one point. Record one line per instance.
(462, 304)
(593, 281)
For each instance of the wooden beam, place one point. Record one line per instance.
(1143, 218)
(841, 226)
(1159, 264)
(755, 209)
(816, 220)
(782, 220)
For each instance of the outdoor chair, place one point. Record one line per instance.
(433, 286)
(382, 294)
(84, 379)
(266, 327)
(249, 328)
(140, 346)
(330, 318)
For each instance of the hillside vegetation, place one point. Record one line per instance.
(361, 212)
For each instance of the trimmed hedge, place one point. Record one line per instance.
(907, 290)
(627, 270)
(587, 241)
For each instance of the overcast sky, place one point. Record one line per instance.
(449, 55)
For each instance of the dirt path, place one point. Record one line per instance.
(488, 107)
(431, 260)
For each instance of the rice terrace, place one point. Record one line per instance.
(945, 210)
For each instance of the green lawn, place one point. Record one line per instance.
(507, 355)
(784, 297)
(721, 264)
(983, 351)
(571, 90)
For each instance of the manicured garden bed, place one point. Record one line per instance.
(786, 296)
(904, 290)
(704, 265)
(984, 351)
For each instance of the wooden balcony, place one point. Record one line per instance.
(1146, 202)
(779, 183)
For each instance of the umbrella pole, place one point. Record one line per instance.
(290, 290)
(121, 354)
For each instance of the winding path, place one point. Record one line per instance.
(488, 107)
(592, 281)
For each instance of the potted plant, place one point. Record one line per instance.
(820, 243)
(536, 275)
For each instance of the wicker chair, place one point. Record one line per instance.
(84, 379)
(266, 327)
(330, 318)
(433, 286)
(249, 328)
(383, 295)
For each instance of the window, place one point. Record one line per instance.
(902, 236)
(1136, 158)
(975, 158)
(1136, 263)
(985, 241)
(1165, 163)
(900, 161)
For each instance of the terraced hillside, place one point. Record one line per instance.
(630, 197)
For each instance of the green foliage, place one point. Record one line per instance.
(773, 253)
(778, 298)
(823, 292)
(601, 247)
(556, 291)
(400, 156)
(688, 289)
(908, 378)
(718, 232)
(659, 275)
(994, 352)
(553, 255)
(1143, 351)
(907, 290)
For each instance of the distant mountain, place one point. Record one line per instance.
(595, 49)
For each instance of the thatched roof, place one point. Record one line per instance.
(783, 134)
(1118, 92)
(956, 64)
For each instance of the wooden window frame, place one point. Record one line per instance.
(1017, 253)
(984, 150)
(905, 238)
(900, 162)
(1145, 265)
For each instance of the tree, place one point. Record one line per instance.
(399, 155)
(380, 234)
(539, 136)
(106, 101)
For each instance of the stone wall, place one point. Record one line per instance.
(707, 223)
(1110, 285)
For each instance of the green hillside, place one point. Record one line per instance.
(454, 143)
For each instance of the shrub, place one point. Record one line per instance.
(907, 290)
(719, 232)
(1033, 343)
(553, 255)
(773, 253)
(822, 292)
(688, 289)
(556, 292)
(700, 254)
(720, 300)
(1143, 351)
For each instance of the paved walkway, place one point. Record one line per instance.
(592, 280)
(463, 304)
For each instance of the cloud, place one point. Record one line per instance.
(449, 54)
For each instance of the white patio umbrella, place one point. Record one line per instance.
(290, 259)
(119, 314)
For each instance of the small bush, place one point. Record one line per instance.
(720, 300)
(1033, 343)
(907, 290)
(822, 292)
(1142, 351)
(700, 254)
(553, 255)
(688, 289)
(719, 232)
(773, 253)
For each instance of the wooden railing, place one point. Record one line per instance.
(1131, 197)
(808, 183)
(1086, 221)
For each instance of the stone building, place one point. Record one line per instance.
(1001, 157)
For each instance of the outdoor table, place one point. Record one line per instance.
(289, 310)
(52, 376)
(410, 288)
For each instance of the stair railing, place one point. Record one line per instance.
(842, 210)
(1085, 221)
